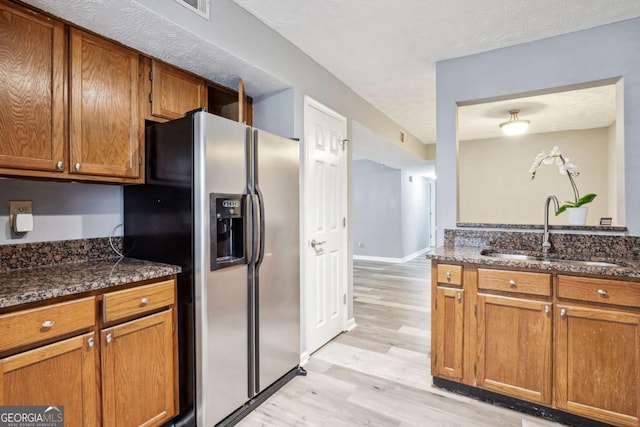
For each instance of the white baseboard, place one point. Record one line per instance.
(351, 324)
(304, 358)
(391, 260)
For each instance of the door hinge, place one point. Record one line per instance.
(475, 310)
(436, 304)
(173, 327)
(140, 160)
(150, 75)
(150, 97)
(344, 221)
(345, 299)
(475, 368)
(435, 358)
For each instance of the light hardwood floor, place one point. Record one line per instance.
(378, 374)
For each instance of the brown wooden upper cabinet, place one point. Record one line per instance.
(174, 92)
(104, 126)
(233, 105)
(32, 134)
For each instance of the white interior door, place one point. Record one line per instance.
(325, 251)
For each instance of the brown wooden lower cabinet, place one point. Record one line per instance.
(62, 374)
(138, 372)
(514, 347)
(449, 318)
(597, 355)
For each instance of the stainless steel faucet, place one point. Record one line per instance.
(545, 241)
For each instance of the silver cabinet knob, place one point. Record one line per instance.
(603, 292)
(109, 338)
(59, 165)
(448, 276)
(90, 342)
(512, 283)
(144, 301)
(77, 166)
(563, 312)
(459, 296)
(547, 309)
(48, 324)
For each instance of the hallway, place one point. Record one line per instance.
(378, 373)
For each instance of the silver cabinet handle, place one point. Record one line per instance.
(603, 292)
(459, 296)
(563, 312)
(448, 276)
(315, 243)
(59, 165)
(109, 338)
(547, 309)
(77, 166)
(512, 283)
(144, 301)
(48, 324)
(90, 342)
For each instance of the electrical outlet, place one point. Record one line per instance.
(20, 207)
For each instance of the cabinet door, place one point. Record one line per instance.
(31, 90)
(174, 92)
(514, 347)
(597, 372)
(104, 128)
(138, 372)
(449, 314)
(60, 374)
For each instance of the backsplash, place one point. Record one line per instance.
(29, 255)
(578, 246)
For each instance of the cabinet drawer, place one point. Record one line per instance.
(607, 291)
(515, 281)
(135, 301)
(39, 324)
(450, 274)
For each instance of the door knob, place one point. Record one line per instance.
(315, 243)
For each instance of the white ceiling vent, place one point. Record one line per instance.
(201, 7)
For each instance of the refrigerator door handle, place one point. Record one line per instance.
(259, 198)
(250, 237)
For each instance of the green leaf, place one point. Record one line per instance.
(587, 198)
(562, 209)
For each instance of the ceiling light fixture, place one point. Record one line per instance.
(514, 126)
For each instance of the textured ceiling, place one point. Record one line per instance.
(134, 25)
(572, 110)
(386, 51)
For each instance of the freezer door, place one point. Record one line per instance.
(222, 340)
(278, 263)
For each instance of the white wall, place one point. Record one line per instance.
(496, 186)
(62, 211)
(600, 53)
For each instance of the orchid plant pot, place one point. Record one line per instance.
(577, 216)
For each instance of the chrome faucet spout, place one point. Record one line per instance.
(546, 245)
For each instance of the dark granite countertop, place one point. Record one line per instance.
(473, 255)
(594, 228)
(25, 285)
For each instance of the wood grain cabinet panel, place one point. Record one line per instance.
(61, 374)
(104, 126)
(174, 92)
(449, 318)
(515, 282)
(597, 355)
(450, 274)
(137, 301)
(138, 372)
(514, 347)
(32, 77)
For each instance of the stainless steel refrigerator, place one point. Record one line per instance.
(221, 199)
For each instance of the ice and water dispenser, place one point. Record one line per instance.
(227, 230)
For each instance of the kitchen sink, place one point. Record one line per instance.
(522, 257)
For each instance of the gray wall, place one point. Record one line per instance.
(377, 212)
(596, 54)
(390, 213)
(62, 211)
(415, 213)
